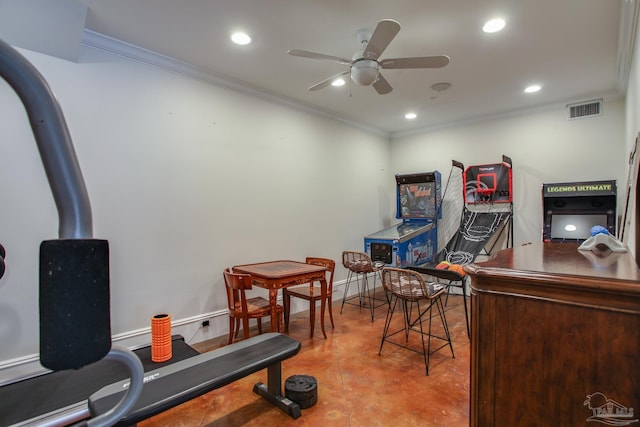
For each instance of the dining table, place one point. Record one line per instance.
(276, 275)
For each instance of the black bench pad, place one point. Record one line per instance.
(45, 395)
(179, 382)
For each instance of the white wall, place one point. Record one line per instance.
(544, 146)
(186, 178)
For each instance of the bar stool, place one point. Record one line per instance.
(360, 266)
(410, 289)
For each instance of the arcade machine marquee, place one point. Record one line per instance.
(414, 241)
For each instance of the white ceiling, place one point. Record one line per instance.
(570, 47)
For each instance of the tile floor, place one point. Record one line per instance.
(356, 386)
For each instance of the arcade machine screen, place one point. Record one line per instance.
(575, 227)
(417, 197)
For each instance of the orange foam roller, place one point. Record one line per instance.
(161, 338)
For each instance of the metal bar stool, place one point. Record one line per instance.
(360, 266)
(409, 289)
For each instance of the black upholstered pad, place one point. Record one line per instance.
(177, 383)
(46, 393)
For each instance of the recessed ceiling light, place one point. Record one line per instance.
(240, 38)
(338, 82)
(410, 116)
(532, 88)
(493, 25)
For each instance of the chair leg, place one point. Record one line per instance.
(365, 288)
(364, 295)
(408, 324)
(259, 325)
(232, 326)
(237, 333)
(440, 306)
(346, 289)
(330, 308)
(360, 277)
(427, 352)
(371, 293)
(312, 315)
(286, 302)
(245, 327)
(387, 322)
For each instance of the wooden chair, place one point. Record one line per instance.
(409, 289)
(310, 293)
(241, 308)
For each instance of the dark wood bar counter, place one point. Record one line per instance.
(555, 338)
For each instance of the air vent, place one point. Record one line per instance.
(585, 109)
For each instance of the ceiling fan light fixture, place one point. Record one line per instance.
(364, 72)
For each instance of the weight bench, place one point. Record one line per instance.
(66, 397)
(179, 382)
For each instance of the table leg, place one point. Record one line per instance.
(323, 303)
(273, 303)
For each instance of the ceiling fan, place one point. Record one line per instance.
(365, 64)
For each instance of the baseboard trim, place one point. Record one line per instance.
(190, 328)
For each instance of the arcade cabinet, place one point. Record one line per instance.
(414, 241)
(571, 209)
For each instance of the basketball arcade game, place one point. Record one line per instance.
(414, 241)
(489, 189)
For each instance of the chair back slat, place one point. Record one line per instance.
(327, 263)
(236, 285)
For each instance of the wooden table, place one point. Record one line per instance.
(275, 275)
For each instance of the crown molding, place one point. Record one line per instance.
(132, 52)
(626, 40)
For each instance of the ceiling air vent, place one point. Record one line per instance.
(585, 109)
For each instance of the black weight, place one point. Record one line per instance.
(302, 389)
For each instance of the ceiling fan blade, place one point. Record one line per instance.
(328, 81)
(385, 31)
(314, 55)
(418, 62)
(382, 86)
